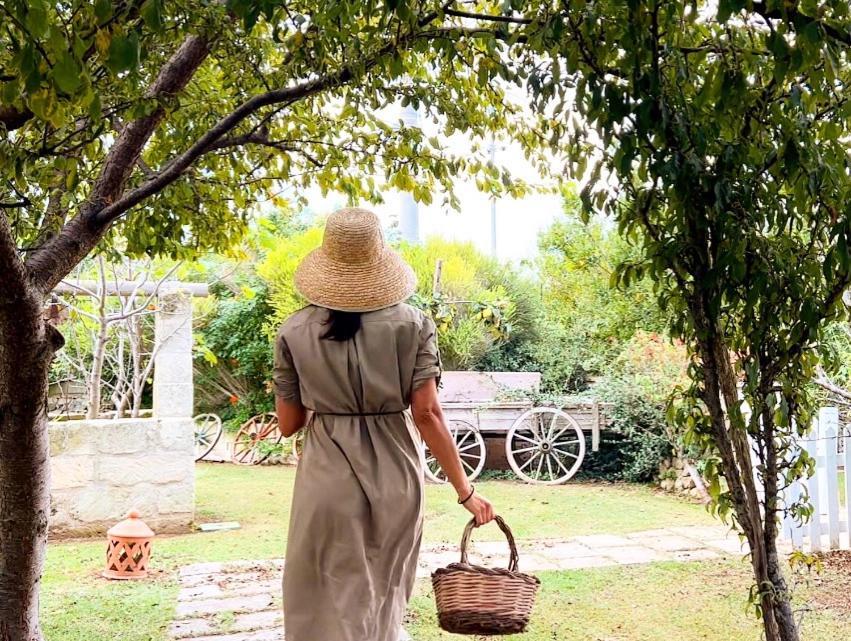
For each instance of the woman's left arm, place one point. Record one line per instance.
(292, 416)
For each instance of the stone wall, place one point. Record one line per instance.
(102, 468)
(674, 477)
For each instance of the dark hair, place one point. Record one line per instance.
(341, 325)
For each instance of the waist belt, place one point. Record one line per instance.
(388, 413)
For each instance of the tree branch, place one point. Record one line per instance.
(486, 16)
(108, 202)
(789, 13)
(53, 260)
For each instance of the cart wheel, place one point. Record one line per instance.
(254, 440)
(545, 446)
(208, 431)
(297, 444)
(471, 448)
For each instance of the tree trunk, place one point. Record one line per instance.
(721, 398)
(27, 346)
(93, 410)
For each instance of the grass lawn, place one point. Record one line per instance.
(656, 602)
(78, 605)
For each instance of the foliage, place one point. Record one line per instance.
(638, 387)
(723, 128)
(485, 312)
(235, 339)
(577, 260)
(74, 73)
(277, 272)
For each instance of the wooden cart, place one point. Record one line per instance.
(543, 444)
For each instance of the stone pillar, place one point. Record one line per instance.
(173, 393)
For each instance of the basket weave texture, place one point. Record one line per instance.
(476, 600)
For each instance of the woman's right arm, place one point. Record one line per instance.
(428, 417)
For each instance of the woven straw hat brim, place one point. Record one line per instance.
(349, 287)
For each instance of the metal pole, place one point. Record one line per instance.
(493, 201)
(409, 216)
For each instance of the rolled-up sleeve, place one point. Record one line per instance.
(428, 363)
(285, 377)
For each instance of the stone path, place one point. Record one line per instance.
(241, 601)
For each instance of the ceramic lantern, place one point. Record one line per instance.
(128, 548)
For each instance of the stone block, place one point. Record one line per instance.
(177, 434)
(125, 436)
(153, 467)
(176, 371)
(71, 471)
(71, 437)
(97, 504)
(173, 400)
(176, 498)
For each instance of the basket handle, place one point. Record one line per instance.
(468, 532)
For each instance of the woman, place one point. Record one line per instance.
(357, 359)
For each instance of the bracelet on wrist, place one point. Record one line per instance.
(469, 496)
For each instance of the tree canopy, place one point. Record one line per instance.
(717, 134)
(197, 111)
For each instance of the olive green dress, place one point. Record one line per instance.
(356, 520)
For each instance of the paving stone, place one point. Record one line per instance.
(629, 554)
(225, 579)
(666, 542)
(595, 541)
(241, 623)
(703, 532)
(534, 563)
(730, 545)
(225, 588)
(257, 635)
(695, 555)
(252, 603)
(582, 562)
(567, 550)
(201, 568)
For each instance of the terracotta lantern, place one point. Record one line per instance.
(128, 548)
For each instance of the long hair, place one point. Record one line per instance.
(342, 326)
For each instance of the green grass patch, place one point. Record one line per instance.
(79, 605)
(657, 602)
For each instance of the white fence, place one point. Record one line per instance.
(828, 528)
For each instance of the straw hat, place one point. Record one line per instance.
(354, 270)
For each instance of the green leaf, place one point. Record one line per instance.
(151, 12)
(123, 53)
(103, 10)
(36, 18)
(66, 73)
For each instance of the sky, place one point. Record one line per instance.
(518, 221)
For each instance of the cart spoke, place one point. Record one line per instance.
(463, 439)
(522, 437)
(550, 468)
(468, 447)
(529, 461)
(540, 465)
(526, 449)
(561, 465)
(567, 444)
(552, 426)
(571, 454)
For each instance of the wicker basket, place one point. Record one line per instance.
(476, 600)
